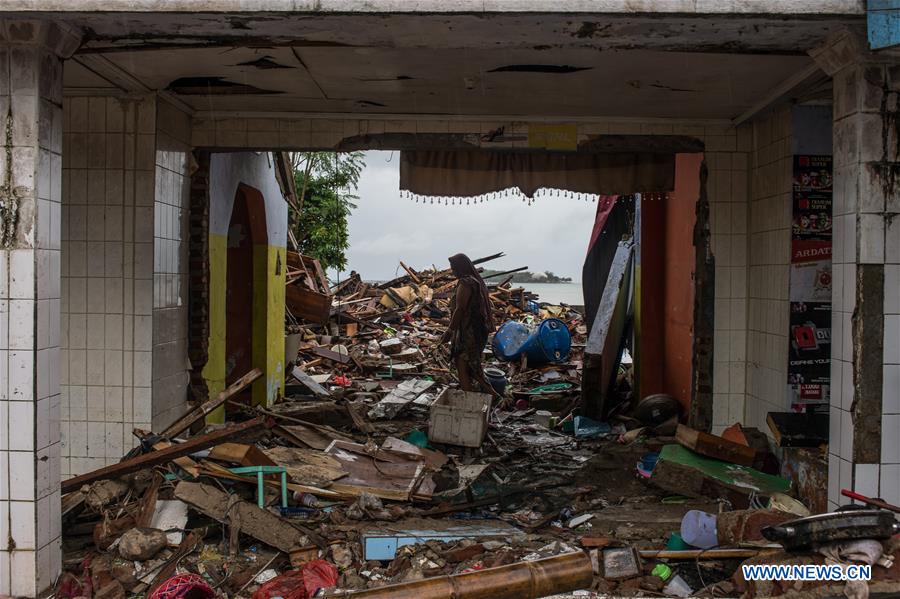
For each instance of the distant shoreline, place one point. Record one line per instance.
(379, 282)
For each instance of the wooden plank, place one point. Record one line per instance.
(715, 447)
(357, 414)
(185, 422)
(240, 453)
(308, 382)
(326, 353)
(369, 474)
(218, 471)
(155, 458)
(302, 435)
(307, 466)
(412, 274)
(680, 470)
(307, 304)
(605, 340)
(259, 523)
(184, 462)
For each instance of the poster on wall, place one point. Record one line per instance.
(809, 363)
(809, 358)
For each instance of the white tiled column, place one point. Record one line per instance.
(30, 192)
(864, 450)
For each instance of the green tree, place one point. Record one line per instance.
(327, 183)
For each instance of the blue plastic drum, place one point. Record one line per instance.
(549, 342)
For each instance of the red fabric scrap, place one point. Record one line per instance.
(183, 586)
(302, 583)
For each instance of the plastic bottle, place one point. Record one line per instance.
(677, 587)
(675, 584)
(306, 499)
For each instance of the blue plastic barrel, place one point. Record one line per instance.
(549, 342)
(509, 339)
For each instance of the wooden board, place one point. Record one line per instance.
(798, 430)
(606, 339)
(260, 524)
(307, 304)
(203, 410)
(155, 458)
(240, 453)
(308, 382)
(394, 480)
(303, 436)
(715, 447)
(306, 466)
(680, 470)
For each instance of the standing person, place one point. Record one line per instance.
(470, 324)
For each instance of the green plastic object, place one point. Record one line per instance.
(552, 388)
(260, 472)
(662, 571)
(417, 438)
(731, 475)
(676, 543)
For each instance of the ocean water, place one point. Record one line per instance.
(554, 293)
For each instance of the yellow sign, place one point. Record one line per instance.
(553, 137)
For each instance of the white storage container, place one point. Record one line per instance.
(459, 418)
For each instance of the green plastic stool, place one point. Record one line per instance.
(260, 472)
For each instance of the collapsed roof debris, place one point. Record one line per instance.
(376, 477)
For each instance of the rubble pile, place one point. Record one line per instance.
(375, 474)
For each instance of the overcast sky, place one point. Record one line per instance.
(552, 234)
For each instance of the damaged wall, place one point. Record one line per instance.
(123, 325)
(227, 172)
(770, 255)
(170, 264)
(107, 277)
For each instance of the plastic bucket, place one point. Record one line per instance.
(497, 379)
(698, 529)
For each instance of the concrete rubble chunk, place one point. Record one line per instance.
(139, 544)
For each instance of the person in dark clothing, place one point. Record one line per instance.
(470, 324)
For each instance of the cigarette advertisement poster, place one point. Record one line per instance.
(809, 367)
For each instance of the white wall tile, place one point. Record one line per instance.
(867, 480)
(892, 339)
(890, 483)
(21, 274)
(890, 440)
(846, 436)
(891, 389)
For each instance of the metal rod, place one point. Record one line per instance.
(694, 554)
(523, 580)
(868, 500)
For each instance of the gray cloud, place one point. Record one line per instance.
(552, 234)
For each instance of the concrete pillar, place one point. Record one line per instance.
(864, 449)
(31, 54)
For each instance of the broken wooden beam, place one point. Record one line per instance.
(155, 458)
(716, 447)
(488, 258)
(250, 519)
(308, 382)
(204, 409)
